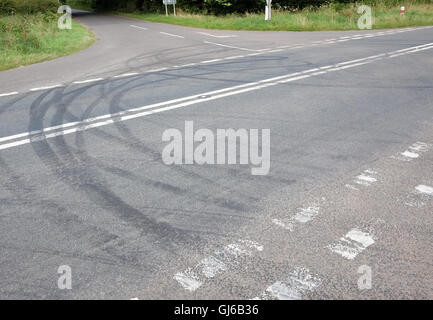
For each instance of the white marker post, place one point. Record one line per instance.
(168, 2)
(268, 10)
(402, 10)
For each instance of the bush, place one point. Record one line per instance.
(10, 7)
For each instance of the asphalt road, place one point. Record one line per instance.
(83, 182)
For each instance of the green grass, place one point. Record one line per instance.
(325, 18)
(28, 39)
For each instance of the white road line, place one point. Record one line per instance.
(233, 57)
(215, 36)
(142, 28)
(303, 215)
(138, 112)
(413, 151)
(88, 81)
(364, 179)
(292, 287)
(172, 35)
(218, 262)
(210, 61)
(156, 70)
(8, 94)
(188, 65)
(425, 189)
(352, 244)
(126, 75)
(409, 52)
(47, 88)
(233, 47)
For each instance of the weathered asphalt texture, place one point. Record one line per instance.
(103, 202)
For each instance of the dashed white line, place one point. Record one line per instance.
(352, 244)
(172, 35)
(216, 36)
(292, 287)
(364, 179)
(303, 215)
(218, 262)
(413, 151)
(137, 27)
(425, 189)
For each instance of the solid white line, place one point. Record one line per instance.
(170, 105)
(188, 65)
(233, 47)
(8, 94)
(233, 57)
(156, 70)
(142, 28)
(171, 35)
(88, 81)
(209, 61)
(215, 36)
(126, 75)
(47, 88)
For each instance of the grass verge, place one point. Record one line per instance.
(28, 39)
(321, 19)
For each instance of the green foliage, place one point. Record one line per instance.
(11, 7)
(31, 38)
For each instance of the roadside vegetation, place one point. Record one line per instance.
(29, 33)
(329, 17)
(294, 15)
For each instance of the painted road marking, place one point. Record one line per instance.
(47, 88)
(172, 35)
(218, 262)
(96, 122)
(88, 81)
(126, 75)
(233, 47)
(215, 36)
(292, 287)
(303, 215)
(210, 61)
(352, 244)
(366, 178)
(8, 94)
(137, 27)
(413, 152)
(393, 54)
(157, 70)
(424, 189)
